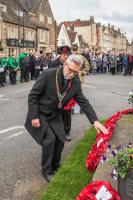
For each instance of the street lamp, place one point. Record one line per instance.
(21, 13)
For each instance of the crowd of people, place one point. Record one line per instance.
(111, 61)
(31, 64)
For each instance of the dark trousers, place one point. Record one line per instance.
(4, 76)
(104, 70)
(32, 73)
(130, 68)
(24, 74)
(1, 77)
(112, 70)
(37, 73)
(12, 77)
(51, 152)
(126, 70)
(66, 116)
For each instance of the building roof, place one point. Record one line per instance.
(58, 28)
(22, 5)
(30, 5)
(72, 35)
(79, 23)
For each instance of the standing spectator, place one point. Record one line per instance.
(125, 64)
(64, 52)
(87, 56)
(84, 70)
(119, 63)
(130, 64)
(12, 66)
(24, 64)
(49, 59)
(1, 72)
(85, 67)
(37, 62)
(105, 61)
(32, 67)
(112, 63)
(44, 64)
(5, 65)
(94, 63)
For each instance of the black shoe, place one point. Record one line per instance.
(68, 137)
(2, 85)
(81, 112)
(72, 111)
(48, 177)
(55, 168)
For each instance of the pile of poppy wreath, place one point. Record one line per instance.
(71, 104)
(100, 190)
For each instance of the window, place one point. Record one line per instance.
(41, 18)
(19, 13)
(49, 20)
(63, 42)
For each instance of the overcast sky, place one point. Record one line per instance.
(117, 12)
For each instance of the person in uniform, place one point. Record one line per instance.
(13, 67)
(64, 52)
(84, 70)
(24, 64)
(51, 92)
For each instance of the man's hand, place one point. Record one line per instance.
(99, 127)
(36, 123)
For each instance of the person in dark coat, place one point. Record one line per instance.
(51, 92)
(32, 67)
(130, 64)
(64, 52)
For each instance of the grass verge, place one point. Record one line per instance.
(73, 176)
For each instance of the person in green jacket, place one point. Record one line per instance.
(13, 67)
(4, 61)
(24, 64)
(2, 71)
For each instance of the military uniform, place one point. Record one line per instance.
(84, 69)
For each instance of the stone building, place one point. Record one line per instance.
(27, 24)
(98, 36)
(85, 28)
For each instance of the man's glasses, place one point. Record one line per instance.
(71, 70)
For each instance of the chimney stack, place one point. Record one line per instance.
(92, 20)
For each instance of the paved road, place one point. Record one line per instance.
(20, 172)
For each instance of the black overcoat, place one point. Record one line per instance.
(43, 104)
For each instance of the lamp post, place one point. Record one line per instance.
(21, 13)
(23, 28)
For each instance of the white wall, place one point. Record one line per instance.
(63, 38)
(85, 31)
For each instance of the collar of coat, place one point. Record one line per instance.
(62, 90)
